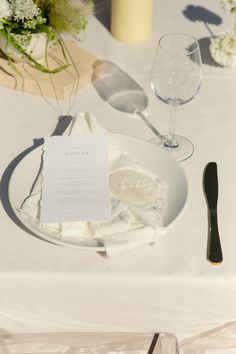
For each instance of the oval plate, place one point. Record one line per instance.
(147, 154)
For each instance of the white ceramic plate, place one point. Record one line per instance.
(147, 154)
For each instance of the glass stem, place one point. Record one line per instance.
(171, 141)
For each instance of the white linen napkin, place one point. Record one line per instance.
(130, 225)
(220, 340)
(80, 343)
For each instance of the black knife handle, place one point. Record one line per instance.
(214, 246)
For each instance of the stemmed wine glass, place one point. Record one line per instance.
(175, 79)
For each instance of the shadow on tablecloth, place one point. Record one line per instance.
(207, 17)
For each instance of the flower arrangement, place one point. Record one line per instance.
(229, 5)
(223, 46)
(26, 24)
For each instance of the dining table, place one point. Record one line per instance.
(169, 286)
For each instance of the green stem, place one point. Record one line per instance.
(37, 65)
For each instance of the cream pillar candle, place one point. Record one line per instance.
(131, 20)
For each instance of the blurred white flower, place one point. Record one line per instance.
(24, 10)
(223, 48)
(5, 9)
(228, 5)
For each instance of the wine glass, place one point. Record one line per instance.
(175, 79)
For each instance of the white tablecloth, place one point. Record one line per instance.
(167, 287)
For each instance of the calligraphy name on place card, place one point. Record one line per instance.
(134, 187)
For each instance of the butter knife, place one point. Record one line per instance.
(210, 182)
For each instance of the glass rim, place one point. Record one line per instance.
(182, 34)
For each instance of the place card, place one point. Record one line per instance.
(75, 183)
(134, 187)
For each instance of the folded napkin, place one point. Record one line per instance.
(80, 342)
(219, 340)
(130, 225)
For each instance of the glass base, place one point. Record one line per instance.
(181, 152)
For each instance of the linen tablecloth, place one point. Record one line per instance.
(166, 287)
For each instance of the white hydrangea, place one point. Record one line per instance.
(5, 9)
(24, 10)
(228, 5)
(223, 49)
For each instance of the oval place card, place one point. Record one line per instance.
(133, 187)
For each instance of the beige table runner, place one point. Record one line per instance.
(61, 85)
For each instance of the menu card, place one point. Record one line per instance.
(75, 183)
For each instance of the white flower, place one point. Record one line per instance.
(228, 5)
(223, 49)
(32, 24)
(24, 10)
(5, 9)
